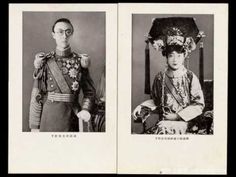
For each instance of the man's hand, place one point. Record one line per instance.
(34, 130)
(171, 116)
(136, 111)
(84, 115)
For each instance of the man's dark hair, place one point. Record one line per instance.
(170, 48)
(65, 20)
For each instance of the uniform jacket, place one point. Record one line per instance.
(58, 116)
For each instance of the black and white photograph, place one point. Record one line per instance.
(64, 71)
(172, 88)
(172, 74)
(62, 77)
(127, 88)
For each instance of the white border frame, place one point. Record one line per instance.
(39, 152)
(145, 154)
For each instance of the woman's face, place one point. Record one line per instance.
(175, 60)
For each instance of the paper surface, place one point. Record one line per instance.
(117, 150)
(60, 152)
(187, 154)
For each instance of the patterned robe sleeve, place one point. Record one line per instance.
(156, 90)
(196, 101)
(88, 89)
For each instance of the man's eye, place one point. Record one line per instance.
(68, 31)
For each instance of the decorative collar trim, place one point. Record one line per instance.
(63, 53)
(178, 73)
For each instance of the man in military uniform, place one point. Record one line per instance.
(58, 78)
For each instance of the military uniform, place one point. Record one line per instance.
(52, 107)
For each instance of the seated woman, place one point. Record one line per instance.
(176, 96)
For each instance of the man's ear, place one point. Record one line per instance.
(53, 35)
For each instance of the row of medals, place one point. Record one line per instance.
(71, 67)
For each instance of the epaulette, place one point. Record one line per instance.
(49, 55)
(84, 60)
(41, 58)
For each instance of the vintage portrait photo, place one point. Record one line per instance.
(127, 88)
(172, 109)
(64, 71)
(62, 77)
(172, 73)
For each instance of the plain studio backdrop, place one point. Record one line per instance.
(88, 38)
(141, 24)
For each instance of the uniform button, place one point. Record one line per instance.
(50, 78)
(51, 85)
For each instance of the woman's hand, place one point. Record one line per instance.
(171, 116)
(136, 111)
(84, 115)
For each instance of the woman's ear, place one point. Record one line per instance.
(185, 54)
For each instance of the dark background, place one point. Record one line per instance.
(88, 37)
(141, 24)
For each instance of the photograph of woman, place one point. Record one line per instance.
(177, 102)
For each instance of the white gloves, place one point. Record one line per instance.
(84, 115)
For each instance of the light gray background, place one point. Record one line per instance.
(141, 24)
(89, 38)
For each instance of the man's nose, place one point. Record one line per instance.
(64, 35)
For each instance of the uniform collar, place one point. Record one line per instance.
(63, 52)
(178, 73)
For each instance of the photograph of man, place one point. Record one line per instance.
(58, 77)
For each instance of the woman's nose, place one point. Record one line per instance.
(174, 58)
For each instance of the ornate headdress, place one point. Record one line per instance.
(171, 31)
(180, 31)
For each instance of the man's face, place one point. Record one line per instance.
(175, 60)
(62, 33)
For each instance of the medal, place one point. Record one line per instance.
(73, 73)
(72, 61)
(64, 70)
(76, 66)
(75, 85)
(68, 65)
